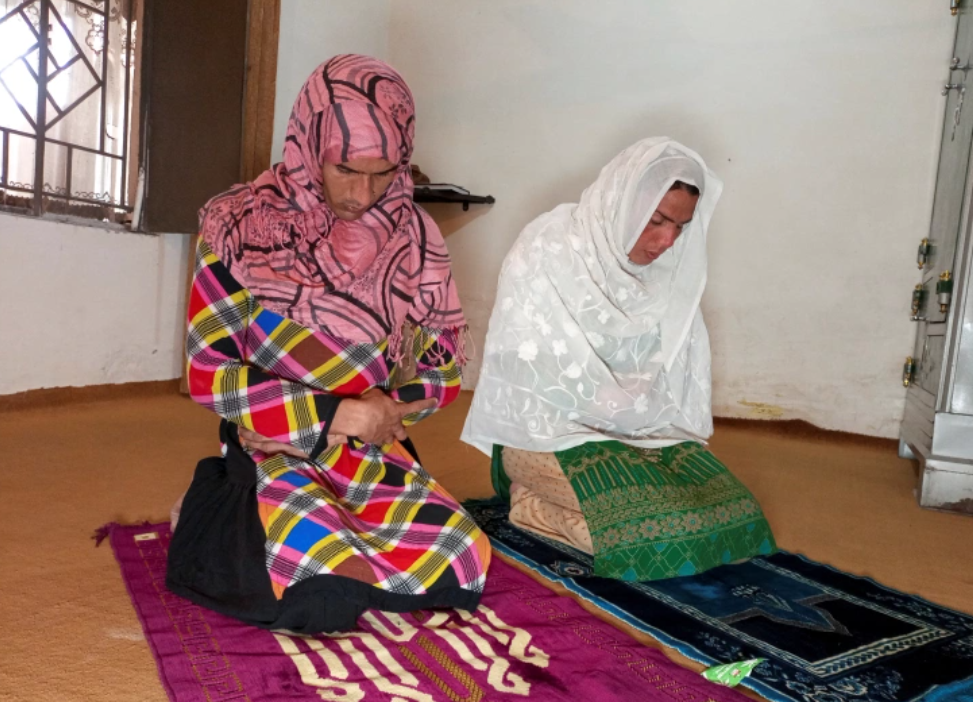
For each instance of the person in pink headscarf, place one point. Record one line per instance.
(323, 321)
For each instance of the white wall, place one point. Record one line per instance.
(312, 31)
(821, 116)
(83, 305)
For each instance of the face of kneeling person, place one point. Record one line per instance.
(351, 188)
(674, 212)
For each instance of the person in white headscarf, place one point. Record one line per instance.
(594, 395)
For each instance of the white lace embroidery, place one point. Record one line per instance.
(584, 345)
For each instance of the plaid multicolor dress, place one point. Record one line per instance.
(307, 545)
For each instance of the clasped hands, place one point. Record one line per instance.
(374, 418)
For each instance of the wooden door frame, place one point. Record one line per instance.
(260, 90)
(259, 94)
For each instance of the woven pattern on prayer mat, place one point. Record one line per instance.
(524, 642)
(824, 635)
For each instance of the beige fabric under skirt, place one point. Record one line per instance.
(542, 500)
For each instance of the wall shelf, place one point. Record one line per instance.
(422, 194)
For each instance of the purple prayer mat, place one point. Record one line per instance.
(524, 642)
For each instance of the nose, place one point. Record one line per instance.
(670, 235)
(361, 189)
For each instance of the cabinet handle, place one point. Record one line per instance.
(918, 300)
(944, 290)
(908, 370)
(923, 256)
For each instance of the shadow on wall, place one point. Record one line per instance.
(451, 217)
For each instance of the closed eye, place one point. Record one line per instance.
(659, 218)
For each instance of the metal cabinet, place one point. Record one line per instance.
(937, 428)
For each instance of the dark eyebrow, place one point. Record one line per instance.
(670, 219)
(380, 173)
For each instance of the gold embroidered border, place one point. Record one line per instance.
(210, 666)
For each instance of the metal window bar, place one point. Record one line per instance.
(40, 121)
(4, 167)
(128, 65)
(41, 115)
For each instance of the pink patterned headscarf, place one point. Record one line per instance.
(360, 280)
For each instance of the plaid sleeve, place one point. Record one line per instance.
(437, 373)
(227, 359)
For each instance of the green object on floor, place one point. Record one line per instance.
(731, 674)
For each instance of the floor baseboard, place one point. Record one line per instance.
(800, 429)
(50, 397)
